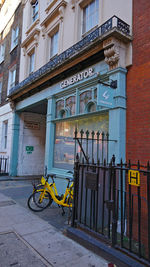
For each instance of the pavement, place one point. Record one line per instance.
(31, 239)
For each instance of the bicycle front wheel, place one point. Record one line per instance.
(36, 202)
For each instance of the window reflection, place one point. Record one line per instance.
(70, 103)
(59, 107)
(84, 98)
(64, 133)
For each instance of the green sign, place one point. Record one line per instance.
(29, 149)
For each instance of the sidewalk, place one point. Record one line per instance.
(27, 240)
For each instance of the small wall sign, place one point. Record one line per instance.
(32, 125)
(134, 177)
(105, 96)
(29, 149)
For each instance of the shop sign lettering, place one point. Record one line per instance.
(78, 77)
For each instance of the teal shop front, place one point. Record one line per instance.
(78, 101)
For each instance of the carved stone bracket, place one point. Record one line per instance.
(61, 12)
(73, 3)
(12, 104)
(115, 52)
(43, 31)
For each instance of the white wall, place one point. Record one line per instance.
(6, 114)
(31, 164)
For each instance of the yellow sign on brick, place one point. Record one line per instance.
(134, 177)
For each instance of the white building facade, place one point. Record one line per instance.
(67, 48)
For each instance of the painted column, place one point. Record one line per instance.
(49, 146)
(117, 116)
(15, 144)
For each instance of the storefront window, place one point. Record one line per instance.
(64, 133)
(70, 103)
(84, 99)
(59, 107)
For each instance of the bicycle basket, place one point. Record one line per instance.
(43, 181)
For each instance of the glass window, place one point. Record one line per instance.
(70, 104)
(92, 107)
(0, 92)
(90, 16)
(59, 107)
(31, 62)
(85, 97)
(35, 10)
(5, 134)
(14, 38)
(64, 133)
(12, 79)
(54, 45)
(2, 52)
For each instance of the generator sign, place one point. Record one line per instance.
(134, 177)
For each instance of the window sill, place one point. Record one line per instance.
(12, 48)
(1, 61)
(32, 26)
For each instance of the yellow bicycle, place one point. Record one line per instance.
(45, 193)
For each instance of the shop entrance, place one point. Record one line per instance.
(32, 137)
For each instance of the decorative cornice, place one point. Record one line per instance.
(58, 10)
(32, 37)
(36, 22)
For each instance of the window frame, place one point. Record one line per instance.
(87, 6)
(2, 52)
(1, 86)
(52, 35)
(11, 78)
(35, 15)
(14, 37)
(4, 135)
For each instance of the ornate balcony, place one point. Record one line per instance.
(112, 27)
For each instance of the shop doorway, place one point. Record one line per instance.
(31, 157)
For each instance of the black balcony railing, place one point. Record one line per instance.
(110, 24)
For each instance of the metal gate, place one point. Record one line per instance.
(4, 161)
(113, 201)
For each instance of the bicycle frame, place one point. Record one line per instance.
(51, 188)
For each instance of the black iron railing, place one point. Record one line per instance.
(92, 146)
(113, 201)
(110, 24)
(4, 163)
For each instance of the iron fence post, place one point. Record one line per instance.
(114, 214)
(75, 194)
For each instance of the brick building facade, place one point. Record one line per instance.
(138, 83)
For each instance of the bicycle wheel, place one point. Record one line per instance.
(34, 202)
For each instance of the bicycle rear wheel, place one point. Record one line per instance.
(35, 203)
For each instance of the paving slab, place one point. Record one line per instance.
(14, 252)
(34, 242)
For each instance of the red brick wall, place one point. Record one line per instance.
(138, 86)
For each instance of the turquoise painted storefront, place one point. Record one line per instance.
(76, 105)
